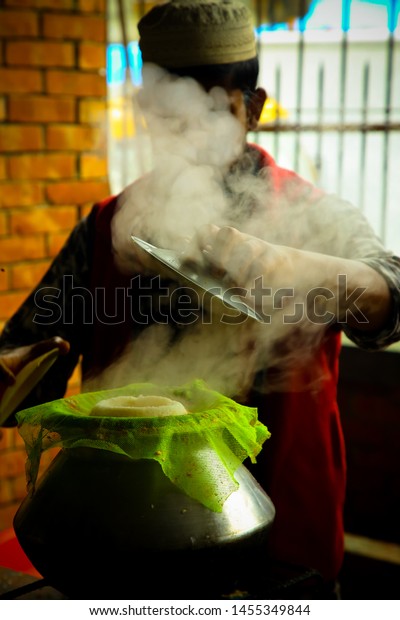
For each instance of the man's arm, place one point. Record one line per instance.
(363, 296)
(28, 326)
(388, 267)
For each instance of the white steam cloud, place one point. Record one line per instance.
(194, 141)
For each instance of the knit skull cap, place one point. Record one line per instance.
(188, 33)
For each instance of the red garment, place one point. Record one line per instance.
(302, 467)
(12, 555)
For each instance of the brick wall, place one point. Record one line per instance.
(52, 158)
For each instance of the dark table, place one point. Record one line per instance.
(276, 582)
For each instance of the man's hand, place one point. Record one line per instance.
(280, 280)
(12, 361)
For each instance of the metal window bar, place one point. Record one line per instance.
(320, 112)
(127, 85)
(346, 4)
(364, 129)
(385, 125)
(388, 101)
(300, 72)
(277, 122)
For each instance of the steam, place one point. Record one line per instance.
(194, 141)
(200, 176)
(220, 355)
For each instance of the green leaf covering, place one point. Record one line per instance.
(199, 451)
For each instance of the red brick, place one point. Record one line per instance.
(3, 168)
(76, 83)
(74, 383)
(77, 192)
(19, 489)
(4, 279)
(9, 304)
(6, 491)
(17, 248)
(92, 6)
(12, 463)
(47, 166)
(92, 56)
(46, 219)
(55, 242)
(93, 166)
(21, 138)
(41, 109)
(6, 438)
(2, 108)
(3, 224)
(90, 28)
(40, 54)
(20, 80)
(28, 274)
(73, 389)
(20, 194)
(92, 111)
(74, 137)
(76, 375)
(18, 24)
(7, 514)
(43, 4)
(18, 441)
(86, 209)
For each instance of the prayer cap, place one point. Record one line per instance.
(188, 33)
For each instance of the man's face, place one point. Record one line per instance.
(238, 107)
(247, 107)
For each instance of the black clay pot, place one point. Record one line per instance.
(103, 526)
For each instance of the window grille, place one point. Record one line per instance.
(338, 90)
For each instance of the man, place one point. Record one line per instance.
(292, 276)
